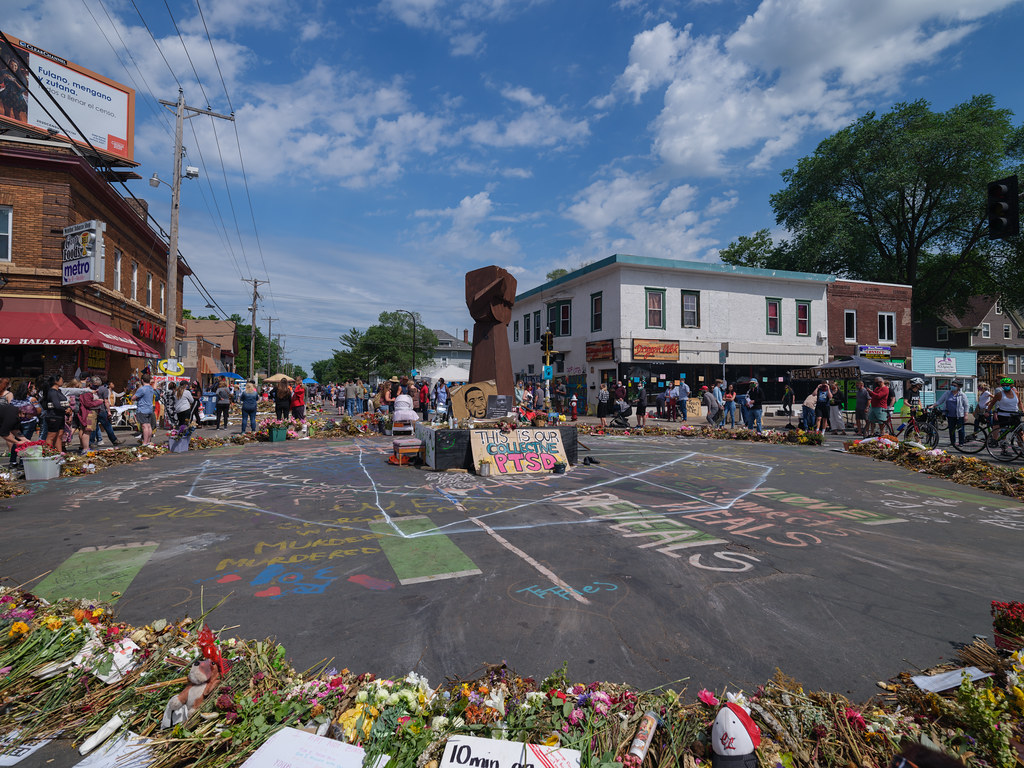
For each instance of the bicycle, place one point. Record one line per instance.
(923, 431)
(1006, 443)
(976, 436)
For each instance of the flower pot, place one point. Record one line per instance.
(559, 468)
(177, 444)
(485, 470)
(278, 434)
(40, 467)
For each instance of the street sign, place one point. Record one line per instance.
(722, 354)
(548, 373)
(414, 372)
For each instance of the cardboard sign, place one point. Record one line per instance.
(470, 400)
(519, 451)
(499, 406)
(474, 752)
(693, 407)
(292, 748)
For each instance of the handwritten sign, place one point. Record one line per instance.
(519, 451)
(292, 748)
(499, 406)
(474, 752)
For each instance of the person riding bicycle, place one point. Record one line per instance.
(912, 397)
(1005, 404)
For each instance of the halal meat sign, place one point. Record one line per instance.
(83, 253)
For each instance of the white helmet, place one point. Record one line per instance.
(917, 382)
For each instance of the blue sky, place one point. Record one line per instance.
(391, 146)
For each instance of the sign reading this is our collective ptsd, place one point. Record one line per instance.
(519, 450)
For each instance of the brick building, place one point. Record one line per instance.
(110, 326)
(869, 319)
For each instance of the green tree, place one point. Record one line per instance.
(384, 349)
(244, 332)
(901, 198)
(554, 274)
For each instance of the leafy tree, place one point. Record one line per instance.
(758, 250)
(901, 199)
(384, 349)
(244, 332)
(554, 274)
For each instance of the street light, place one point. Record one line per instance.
(410, 314)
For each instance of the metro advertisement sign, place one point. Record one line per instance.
(83, 260)
(103, 109)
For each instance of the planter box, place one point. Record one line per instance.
(278, 434)
(40, 467)
(177, 444)
(1007, 642)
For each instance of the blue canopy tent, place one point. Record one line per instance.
(228, 375)
(310, 380)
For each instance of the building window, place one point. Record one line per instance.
(887, 327)
(691, 309)
(850, 325)
(773, 320)
(596, 312)
(999, 306)
(526, 328)
(149, 290)
(515, 330)
(986, 331)
(6, 217)
(163, 302)
(1011, 363)
(559, 318)
(803, 318)
(135, 281)
(942, 333)
(655, 301)
(1006, 331)
(444, 362)
(117, 269)
(536, 326)
(529, 368)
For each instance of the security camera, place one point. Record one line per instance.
(248, 309)
(191, 172)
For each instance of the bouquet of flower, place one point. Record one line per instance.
(272, 424)
(1008, 624)
(180, 433)
(35, 448)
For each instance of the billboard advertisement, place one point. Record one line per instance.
(103, 109)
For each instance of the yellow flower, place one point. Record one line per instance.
(98, 612)
(358, 721)
(552, 740)
(52, 623)
(18, 628)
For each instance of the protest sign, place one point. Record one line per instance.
(519, 450)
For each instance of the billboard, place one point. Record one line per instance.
(103, 109)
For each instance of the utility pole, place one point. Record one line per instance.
(172, 254)
(252, 340)
(413, 317)
(270, 340)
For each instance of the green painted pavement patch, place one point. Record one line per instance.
(428, 556)
(927, 490)
(94, 572)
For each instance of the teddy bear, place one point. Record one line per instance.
(203, 678)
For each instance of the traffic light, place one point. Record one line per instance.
(547, 341)
(1003, 209)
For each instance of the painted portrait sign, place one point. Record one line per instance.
(470, 400)
(519, 451)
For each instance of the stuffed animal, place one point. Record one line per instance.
(203, 678)
(734, 737)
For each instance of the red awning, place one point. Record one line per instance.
(51, 329)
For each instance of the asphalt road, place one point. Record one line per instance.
(716, 561)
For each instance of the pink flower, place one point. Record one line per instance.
(601, 702)
(708, 697)
(576, 716)
(856, 719)
(565, 728)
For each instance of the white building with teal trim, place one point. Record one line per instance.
(662, 320)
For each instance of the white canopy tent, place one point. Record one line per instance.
(449, 373)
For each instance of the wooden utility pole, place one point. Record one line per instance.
(252, 336)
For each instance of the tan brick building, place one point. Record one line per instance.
(109, 327)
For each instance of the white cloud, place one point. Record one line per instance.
(225, 16)
(791, 67)
(466, 230)
(539, 124)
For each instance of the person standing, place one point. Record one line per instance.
(808, 419)
(299, 400)
(425, 399)
(835, 410)
(822, 405)
(441, 398)
(350, 397)
(787, 402)
(659, 402)
(729, 406)
(956, 406)
(223, 402)
(641, 405)
(103, 416)
(249, 400)
(860, 413)
(741, 399)
(88, 406)
(282, 401)
(711, 403)
(755, 398)
(184, 401)
(682, 398)
(981, 415)
(878, 400)
(519, 393)
(145, 410)
(603, 403)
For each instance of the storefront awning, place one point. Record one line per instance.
(58, 330)
(208, 365)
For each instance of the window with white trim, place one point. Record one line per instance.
(773, 317)
(803, 318)
(691, 309)
(135, 281)
(6, 222)
(149, 290)
(986, 331)
(942, 333)
(886, 327)
(850, 325)
(1011, 363)
(560, 318)
(1006, 331)
(117, 269)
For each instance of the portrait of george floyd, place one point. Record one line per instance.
(470, 400)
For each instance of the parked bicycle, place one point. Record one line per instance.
(919, 430)
(1006, 443)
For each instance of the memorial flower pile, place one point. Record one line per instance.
(70, 667)
(1008, 623)
(707, 432)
